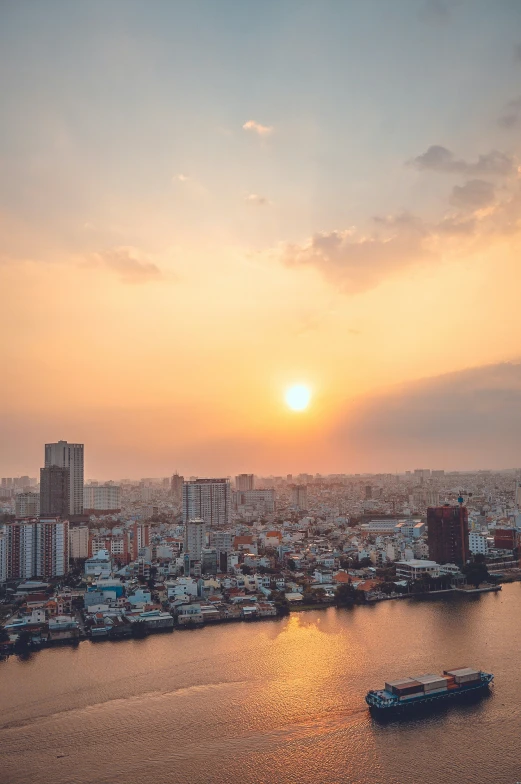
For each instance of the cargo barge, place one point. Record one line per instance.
(428, 690)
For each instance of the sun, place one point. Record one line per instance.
(298, 397)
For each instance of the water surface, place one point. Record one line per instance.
(273, 702)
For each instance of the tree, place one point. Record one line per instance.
(280, 602)
(246, 569)
(139, 630)
(291, 564)
(23, 642)
(388, 588)
(4, 635)
(345, 595)
(476, 573)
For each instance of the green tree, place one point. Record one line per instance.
(291, 564)
(4, 635)
(246, 569)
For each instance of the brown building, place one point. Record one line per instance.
(505, 538)
(54, 491)
(448, 534)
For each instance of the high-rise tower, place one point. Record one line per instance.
(65, 455)
(209, 500)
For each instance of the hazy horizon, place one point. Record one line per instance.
(204, 204)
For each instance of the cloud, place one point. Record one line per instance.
(129, 263)
(256, 200)
(440, 159)
(435, 11)
(475, 194)
(511, 114)
(189, 185)
(470, 418)
(261, 130)
(359, 263)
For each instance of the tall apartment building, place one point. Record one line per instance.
(195, 538)
(299, 496)
(55, 491)
(517, 494)
(36, 548)
(244, 482)
(27, 505)
(101, 498)
(79, 542)
(140, 538)
(448, 534)
(208, 500)
(259, 500)
(69, 456)
(176, 486)
(3, 556)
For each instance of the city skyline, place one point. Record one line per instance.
(196, 215)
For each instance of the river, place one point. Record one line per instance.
(273, 702)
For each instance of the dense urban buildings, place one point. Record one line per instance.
(65, 455)
(448, 534)
(209, 500)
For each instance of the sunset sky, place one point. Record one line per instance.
(203, 203)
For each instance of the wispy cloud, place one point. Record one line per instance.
(261, 130)
(189, 184)
(440, 159)
(129, 263)
(256, 201)
(511, 116)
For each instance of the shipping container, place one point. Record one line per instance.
(471, 678)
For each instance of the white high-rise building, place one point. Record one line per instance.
(69, 456)
(478, 543)
(209, 500)
(195, 538)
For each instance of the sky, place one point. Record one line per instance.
(204, 203)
